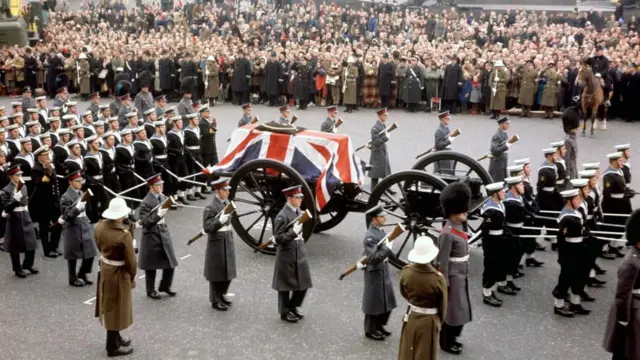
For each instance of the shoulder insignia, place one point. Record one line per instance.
(541, 178)
(607, 184)
(488, 221)
(564, 231)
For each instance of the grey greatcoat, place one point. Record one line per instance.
(156, 246)
(328, 125)
(571, 157)
(498, 163)
(220, 256)
(453, 244)
(379, 159)
(378, 296)
(19, 236)
(619, 339)
(79, 241)
(442, 142)
(291, 271)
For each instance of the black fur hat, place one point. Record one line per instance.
(455, 199)
(188, 86)
(122, 88)
(144, 79)
(632, 228)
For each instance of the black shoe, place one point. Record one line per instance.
(182, 201)
(21, 274)
(506, 290)
(154, 295)
(492, 301)
(77, 283)
(579, 310)
(51, 254)
(220, 306)
(191, 198)
(518, 275)
(58, 252)
(520, 266)
(554, 247)
(599, 270)
(199, 195)
(375, 336)
(384, 331)
(533, 262)
(607, 255)
(86, 280)
(173, 207)
(452, 349)
(125, 341)
(289, 317)
(32, 270)
(168, 292)
(512, 285)
(595, 282)
(586, 297)
(563, 311)
(540, 247)
(122, 350)
(226, 302)
(298, 313)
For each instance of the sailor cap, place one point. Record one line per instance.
(568, 194)
(579, 183)
(614, 156)
(513, 180)
(494, 187)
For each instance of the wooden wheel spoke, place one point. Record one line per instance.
(255, 222)
(257, 185)
(404, 242)
(403, 218)
(249, 213)
(250, 192)
(264, 226)
(391, 198)
(404, 195)
(245, 201)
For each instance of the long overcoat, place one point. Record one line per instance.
(220, 256)
(498, 163)
(213, 80)
(378, 296)
(77, 229)
(452, 77)
(156, 246)
(291, 270)
(351, 90)
(550, 92)
(499, 83)
(379, 159)
(527, 87)
(273, 78)
(20, 235)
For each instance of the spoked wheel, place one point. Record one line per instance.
(415, 204)
(256, 189)
(329, 219)
(452, 166)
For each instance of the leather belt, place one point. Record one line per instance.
(161, 156)
(550, 188)
(193, 147)
(515, 225)
(496, 232)
(573, 240)
(97, 177)
(26, 178)
(20, 208)
(613, 196)
(459, 259)
(111, 262)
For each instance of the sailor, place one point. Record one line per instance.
(177, 158)
(78, 136)
(329, 124)
(143, 156)
(160, 158)
(499, 148)
(99, 128)
(616, 196)
(246, 115)
(494, 247)
(43, 113)
(291, 275)
(108, 151)
(379, 158)
(33, 132)
(93, 164)
(453, 263)
(46, 200)
(378, 299)
(562, 181)
(94, 106)
(20, 235)
(169, 113)
(132, 121)
(87, 123)
(220, 257)
(13, 142)
(625, 149)
(529, 245)
(571, 256)
(72, 109)
(75, 160)
(594, 215)
(193, 154)
(55, 111)
(285, 111)
(208, 128)
(26, 160)
(149, 118)
(54, 129)
(125, 161)
(18, 119)
(17, 108)
(443, 141)
(77, 231)
(623, 324)
(60, 153)
(104, 113)
(69, 121)
(548, 197)
(114, 128)
(156, 245)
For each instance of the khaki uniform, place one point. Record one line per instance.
(550, 93)
(351, 90)
(527, 88)
(85, 77)
(19, 65)
(212, 90)
(499, 83)
(334, 75)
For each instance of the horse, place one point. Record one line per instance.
(592, 96)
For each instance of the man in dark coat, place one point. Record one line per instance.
(220, 257)
(46, 200)
(193, 153)
(189, 72)
(176, 156)
(329, 124)
(303, 80)
(241, 79)
(452, 80)
(156, 246)
(386, 79)
(571, 124)
(378, 298)
(77, 232)
(56, 67)
(166, 72)
(414, 83)
(616, 196)
(443, 140)
(30, 69)
(188, 88)
(274, 79)
(379, 159)
(291, 275)
(623, 326)
(208, 128)
(499, 147)
(20, 235)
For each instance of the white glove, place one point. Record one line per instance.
(607, 103)
(623, 323)
(224, 218)
(451, 138)
(360, 266)
(388, 135)
(135, 244)
(162, 212)
(81, 205)
(509, 145)
(335, 130)
(297, 228)
(17, 196)
(5, 215)
(388, 244)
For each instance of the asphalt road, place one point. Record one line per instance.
(42, 317)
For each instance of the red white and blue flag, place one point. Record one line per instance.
(326, 158)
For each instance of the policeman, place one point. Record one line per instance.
(46, 200)
(194, 154)
(625, 149)
(291, 274)
(93, 163)
(548, 197)
(176, 155)
(494, 244)
(443, 141)
(285, 111)
(616, 195)
(329, 124)
(246, 114)
(379, 159)
(499, 147)
(562, 181)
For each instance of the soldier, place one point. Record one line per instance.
(571, 256)
(285, 111)
(117, 277)
(156, 245)
(208, 128)
(494, 247)
(620, 337)
(291, 275)
(211, 80)
(177, 157)
(186, 104)
(144, 100)
(413, 85)
(378, 299)
(246, 114)
(160, 159)
(562, 182)
(20, 235)
(550, 92)
(350, 87)
(149, 118)
(329, 124)
(625, 149)
(94, 107)
(386, 80)
(46, 197)
(498, 79)
(220, 258)
(77, 232)
(616, 196)
(571, 124)
(379, 158)
(84, 74)
(108, 151)
(453, 263)
(93, 163)
(527, 89)
(443, 142)
(193, 154)
(125, 161)
(499, 148)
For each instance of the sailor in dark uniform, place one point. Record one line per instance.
(285, 111)
(616, 196)
(529, 245)
(125, 162)
(43, 112)
(571, 256)
(32, 115)
(69, 120)
(75, 160)
(149, 118)
(60, 154)
(379, 158)
(194, 151)
(26, 160)
(499, 148)
(108, 151)
(18, 119)
(143, 156)
(494, 245)
(131, 121)
(625, 149)
(54, 129)
(246, 115)
(562, 182)
(443, 141)
(208, 129)
(87, 124)
(114, 128)
(78, 136)
(104, 113)
(33, 132)
(93, 163)
(160, 158)
(291, 275)
(591, 202)
(46, 202)
(548, 197)
(329, 124)
(98, 126)
(177, 157)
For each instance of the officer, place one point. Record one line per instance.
(220, 257)
(208, 128)
(93, 171)
(562, 181)
(378, 299)
(494, 244)
(285, 111)
(46, 200)
(291, 275)
(194, 154)
(186, 104)
(94, 106)
(160, 105)
(443, 141)
(498, 79)
(156, 245)
(548, 197)
(126, 110)
(329, 124)
(246, 115)
(379, 159)
(177, 157)
(616, 196)
(499, 148)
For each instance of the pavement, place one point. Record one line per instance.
(42, 317)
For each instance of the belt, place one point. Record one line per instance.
(496, 232)
(161, 156)
(26, 178)
(111, 262)
(193, 147)
(635, 291)
(589, 217)
(97, 177)
(129, 165)
(559, 182)
(551, 188)
(515, 225)
(573, 240)
(20, 208)
(614, 196)
(459, 259)
(421, 310)
(225, 228)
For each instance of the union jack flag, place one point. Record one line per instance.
(326, 158)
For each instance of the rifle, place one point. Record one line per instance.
(397, 230)
(304, 217)
(386, 130)
(294, 118)
(511, 140)
(454, 133)
(86, 196)
(344, 80)
(336, 124)
(230, 208)
(166, 204)
(253, 121)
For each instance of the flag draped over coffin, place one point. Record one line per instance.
(326, 158)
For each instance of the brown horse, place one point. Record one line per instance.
(592, 96)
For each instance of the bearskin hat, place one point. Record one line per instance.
(188, 85)
(144, 79)
(455, 199)
(62, 80)
(122, 88)
(632, 228)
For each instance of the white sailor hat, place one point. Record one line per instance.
(159, 123)
(150, 111)
(55, 108)
(32, 110)
(623, 147)
(103, 107)
(131, 114)
(579, 183)
(568, 194)
(549, 151)
(15, 115)
(203, 109)
(52, 119)
(25, 140)
(170, 109)
(522, 162)
(125, 132)
(76, 127)
(175, 118)
(72, 143)
(494, 187)
(191, 116)
(64, 132)
(513, 180)
(3, 118)
(44, 149)
(112, 118)
(557, 144)
(1, 107)
(614, 156)
(69, 117)
(98, 123)
(16, 103)
(32, 123)
(12, 127)
(138, 129)
(1, 132)
(591, 166)
(91, 138)
(88, 112)
(40, 98)
(45, 135)
(107, 134)
(515, 168)
(71, 103)
(587, 174)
